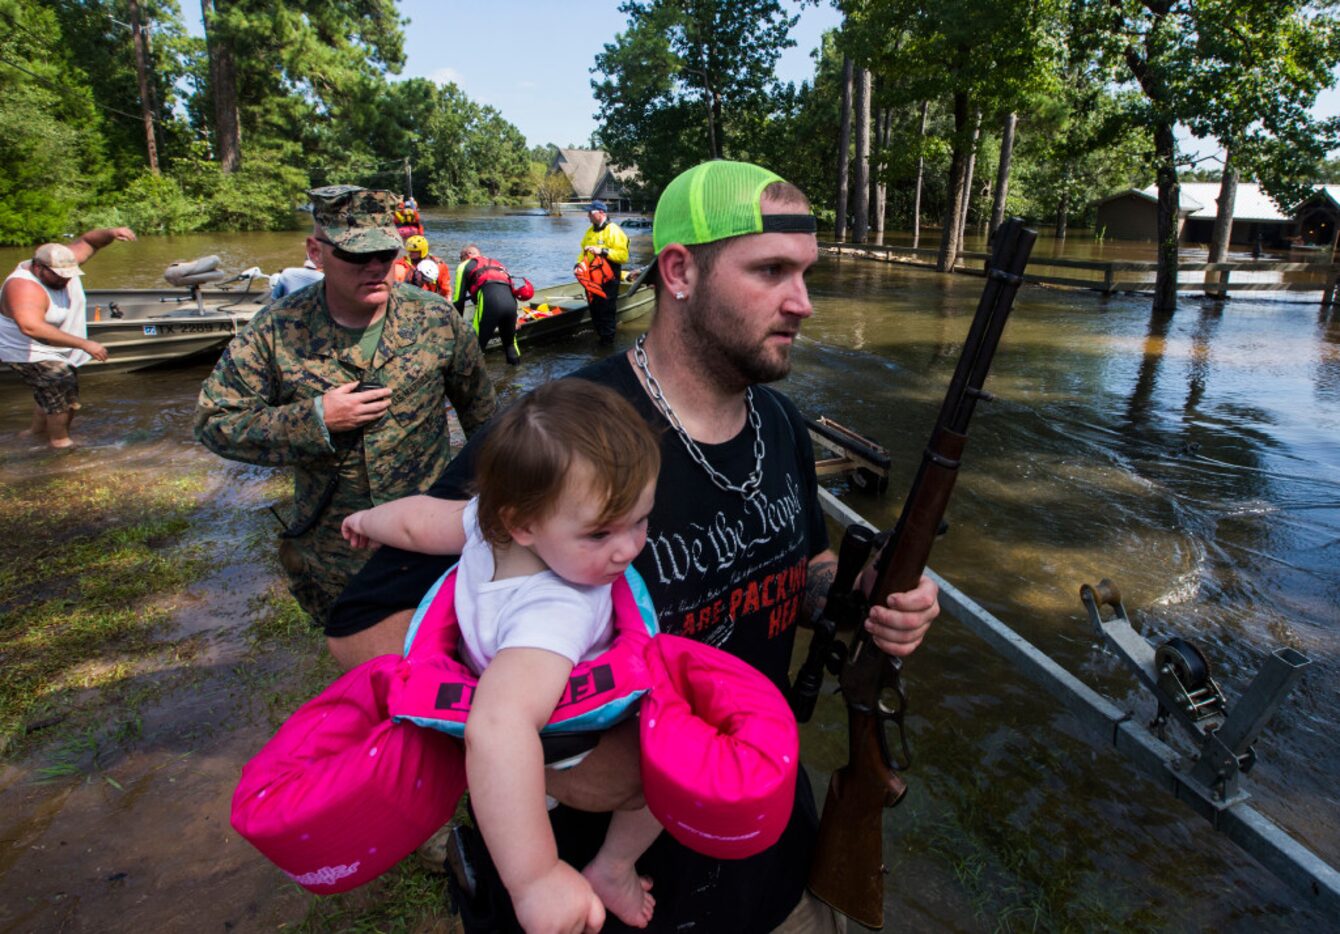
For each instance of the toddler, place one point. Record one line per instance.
(564, 484)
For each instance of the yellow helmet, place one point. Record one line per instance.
(417, 246)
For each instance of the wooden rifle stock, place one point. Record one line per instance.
(848, 870)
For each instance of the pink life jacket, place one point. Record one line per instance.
(351, 783)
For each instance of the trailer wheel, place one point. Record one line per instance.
(1186, 661)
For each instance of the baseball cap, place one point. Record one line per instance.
(59, 258)
(356, 219)
(597, 206)
(718, 200)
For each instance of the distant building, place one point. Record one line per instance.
(1133, 215)
(1318, 217)
(593, 177)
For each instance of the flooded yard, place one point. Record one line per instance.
(150, 647)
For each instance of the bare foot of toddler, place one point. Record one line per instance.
(622, 890)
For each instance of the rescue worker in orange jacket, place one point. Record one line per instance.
(422, 269)
(488, 283)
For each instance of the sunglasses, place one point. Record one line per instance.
(359, 259)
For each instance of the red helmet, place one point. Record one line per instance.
(523, 292)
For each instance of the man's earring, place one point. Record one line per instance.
(680, 296)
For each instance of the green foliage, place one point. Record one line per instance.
(682, 81)
(51, 148)
(1247, 72)
(1078, 147)
(95, 34)
(261, 195)
(688, 80)
(150, 204)
(551, 188)
(314, 101)
(34, 154)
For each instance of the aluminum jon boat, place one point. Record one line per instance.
(143, 328)
(188, 321)
(558, 310)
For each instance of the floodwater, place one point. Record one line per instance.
(530, 243)
(1192, 460)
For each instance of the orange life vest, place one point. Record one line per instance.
(406, 271)
(593, 273)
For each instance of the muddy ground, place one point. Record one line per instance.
(150, 649)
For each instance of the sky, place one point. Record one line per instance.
(531, 59)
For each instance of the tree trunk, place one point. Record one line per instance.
(1062, 215)
(1165, 281)
(714, 124)
(880, 189)
(154, 109)
(958, 163)
(1003, 174)
(860, 183)
(223, 86)
(844, 154)
(967, 180)
(1223, 227)
(141, 73)
(921, 169)
(711, 126)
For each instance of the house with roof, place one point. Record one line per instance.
(1133, 215)
(592, 176)
(1318, 217)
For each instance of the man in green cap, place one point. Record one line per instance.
(737, 547)
(348, 382)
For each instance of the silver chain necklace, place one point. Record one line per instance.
(750, 488)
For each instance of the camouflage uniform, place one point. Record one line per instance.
(259, 406)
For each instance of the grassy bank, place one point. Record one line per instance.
(124, 665)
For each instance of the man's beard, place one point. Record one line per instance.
(716, 336)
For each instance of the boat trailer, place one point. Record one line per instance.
(862, 458)
(1189, 697)
(1178, 675)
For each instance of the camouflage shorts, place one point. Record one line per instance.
(317, 574)
(55, 385)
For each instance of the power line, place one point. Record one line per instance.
(59, 90)
(32, 36)
(39, 42)
(368, 167)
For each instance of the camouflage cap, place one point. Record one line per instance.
(355, 219)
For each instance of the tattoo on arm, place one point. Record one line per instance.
(817, 581)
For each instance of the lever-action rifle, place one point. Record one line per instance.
(848, 866)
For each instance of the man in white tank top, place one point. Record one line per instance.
(44, 329)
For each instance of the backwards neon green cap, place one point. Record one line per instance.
(717, 200)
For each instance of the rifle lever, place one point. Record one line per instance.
(894, 714)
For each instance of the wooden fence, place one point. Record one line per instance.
(1215, 279)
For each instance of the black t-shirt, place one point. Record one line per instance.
(719, 569)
